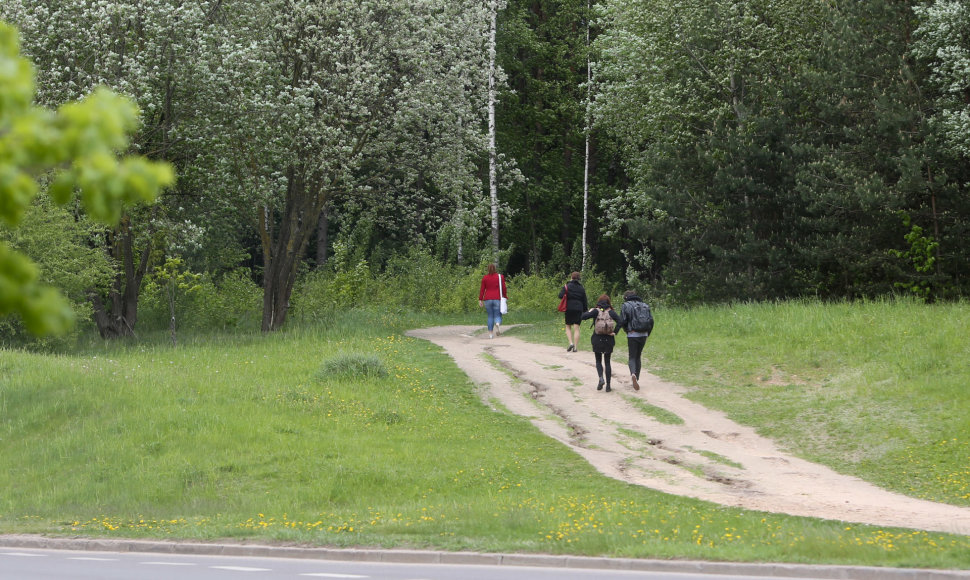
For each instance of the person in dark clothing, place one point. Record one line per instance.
(635, 339)
(603, 343)
(576, 305)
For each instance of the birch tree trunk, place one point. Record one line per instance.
(492, 156)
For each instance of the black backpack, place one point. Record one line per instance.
(641, 319)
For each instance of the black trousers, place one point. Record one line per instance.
(603, 360)
(635, 344)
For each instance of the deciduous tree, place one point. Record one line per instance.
(149, 51)
(943, 40)
(339, 100)
(78, 143)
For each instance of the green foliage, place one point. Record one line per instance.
(57, 243)
(921, 254)
(771, 146)
(417, 281)
(312, 300)
(542, 125)
(231, 303)
(79, 141)
(175, 279)
(534, 293)
(173, 276)
(742, 149)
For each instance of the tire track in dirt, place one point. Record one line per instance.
(707, 457)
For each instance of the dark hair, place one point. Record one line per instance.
(492, 269)
(574, 275)
(604, 298)
(628, 294)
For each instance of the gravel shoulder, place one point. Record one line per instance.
(708, 456)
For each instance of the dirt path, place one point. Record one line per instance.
(707, 457)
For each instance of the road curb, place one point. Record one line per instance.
(25, 541)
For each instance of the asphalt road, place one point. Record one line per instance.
(33, 564)
(32, 557)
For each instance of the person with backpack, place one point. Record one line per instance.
(490, 295)
(637, 321)
(576, 305)
(605, 323)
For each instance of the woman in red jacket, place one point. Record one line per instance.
(490, 296)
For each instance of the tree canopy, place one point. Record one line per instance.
(739, 149)
(72, 148)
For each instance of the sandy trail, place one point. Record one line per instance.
(708, 457)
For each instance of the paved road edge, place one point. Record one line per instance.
(477, 558)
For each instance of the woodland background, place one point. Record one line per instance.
(339, 153)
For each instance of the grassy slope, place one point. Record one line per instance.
(877, 390)
(872, 389)
(246, 437)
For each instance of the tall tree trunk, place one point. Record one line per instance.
(492, 156)
(282, 253)
(116, 317)
(459, 220)
(323, 230)
(266, 234)
(171, 290)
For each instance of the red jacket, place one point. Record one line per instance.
(489, 289)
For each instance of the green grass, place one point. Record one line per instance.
(266, 437)
(661, 415)
(873, 389)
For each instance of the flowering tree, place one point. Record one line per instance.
(148, 51)
(943, 39)
(321, 101)
(77, 143)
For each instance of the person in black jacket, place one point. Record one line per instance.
(635, 339)
(576, 305)
(603, 343)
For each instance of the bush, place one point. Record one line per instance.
(413, 281)
(313, 300)
(235, 301)
(58, 243)
(419, 282)
(352, 366)
(541, 293)
(13, 334)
